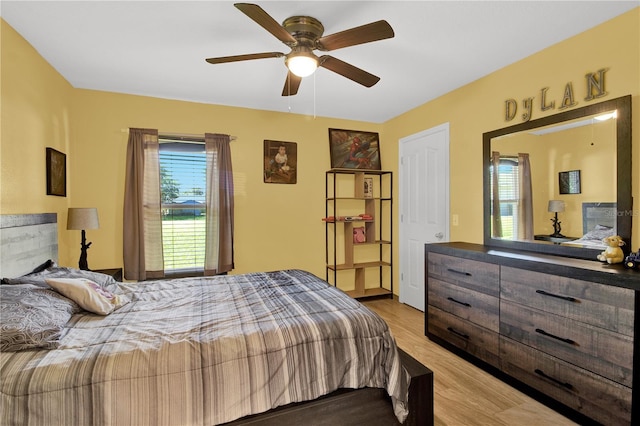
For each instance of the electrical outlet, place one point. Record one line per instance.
(454, 219)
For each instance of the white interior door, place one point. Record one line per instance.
(424, 205)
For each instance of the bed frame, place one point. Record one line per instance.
(28, 240)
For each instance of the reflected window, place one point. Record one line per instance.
(508, 196)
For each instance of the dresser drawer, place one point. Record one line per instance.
(601, 351)
(477, 341)
(600, 305)
(479, 276)
(479, 308)
(603, 400)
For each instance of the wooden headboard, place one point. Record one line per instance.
(26, 241)
(594, 214)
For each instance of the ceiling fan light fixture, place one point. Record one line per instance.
(302, 64)
(303, 35)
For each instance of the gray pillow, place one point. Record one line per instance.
(32, 317)
(48, 264)
(38, 278)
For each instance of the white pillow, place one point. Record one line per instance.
(88, 294)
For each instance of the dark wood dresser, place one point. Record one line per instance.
(560, 329)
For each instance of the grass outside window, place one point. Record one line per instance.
(183, 241)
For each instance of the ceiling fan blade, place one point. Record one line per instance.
(374, 31)
(347, 70)
(265, 20)
(235, 58)
(291, 84)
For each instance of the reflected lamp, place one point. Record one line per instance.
(556, 206)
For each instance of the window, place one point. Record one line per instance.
(186, 172)
(508, 195)
(183, 171)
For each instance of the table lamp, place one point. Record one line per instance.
(556, 206)
(83, 218)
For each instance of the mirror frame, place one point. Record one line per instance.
(623, 176)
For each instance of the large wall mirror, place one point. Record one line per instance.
(560, 184)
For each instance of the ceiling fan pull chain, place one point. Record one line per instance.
(289, 91)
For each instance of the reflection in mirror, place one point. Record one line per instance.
(556, 184)
(536, 159)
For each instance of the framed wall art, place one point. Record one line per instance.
(280, 162)
(569, 182)
(56, 173)
(351, 149)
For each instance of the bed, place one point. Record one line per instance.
(598, 222)
(260, 348)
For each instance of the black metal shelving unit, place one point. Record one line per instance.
(378, 229)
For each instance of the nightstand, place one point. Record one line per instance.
(555, 240)
(116, 273)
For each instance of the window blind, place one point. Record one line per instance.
(183, 184)
(508, 188)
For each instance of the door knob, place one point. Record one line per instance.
(439, 235)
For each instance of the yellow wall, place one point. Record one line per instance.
(35, 114)
(277, 226)
(478, 107)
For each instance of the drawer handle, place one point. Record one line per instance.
(459, 302)
(459, 272)
(546, 376)
(567, 298)
(562, 339)
(464, 336)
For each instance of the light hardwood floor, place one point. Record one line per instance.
(463, 393)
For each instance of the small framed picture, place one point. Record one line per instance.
(368, 187)
(56, 173)
(569, 182)
(280, 162)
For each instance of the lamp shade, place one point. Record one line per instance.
(556, 206)
(82, 218)
(301, 61)
(302, 66)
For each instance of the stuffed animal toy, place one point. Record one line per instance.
(613, 253)
(359, 235)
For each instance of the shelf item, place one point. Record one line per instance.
(359, 201)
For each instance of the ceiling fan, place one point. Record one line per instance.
(303, 34)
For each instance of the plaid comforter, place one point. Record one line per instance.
(204, 351)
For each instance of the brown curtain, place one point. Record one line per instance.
(142, 223)
(525, 204)
(496, 224)
(219, 201)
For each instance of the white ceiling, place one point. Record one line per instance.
(158, 48)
